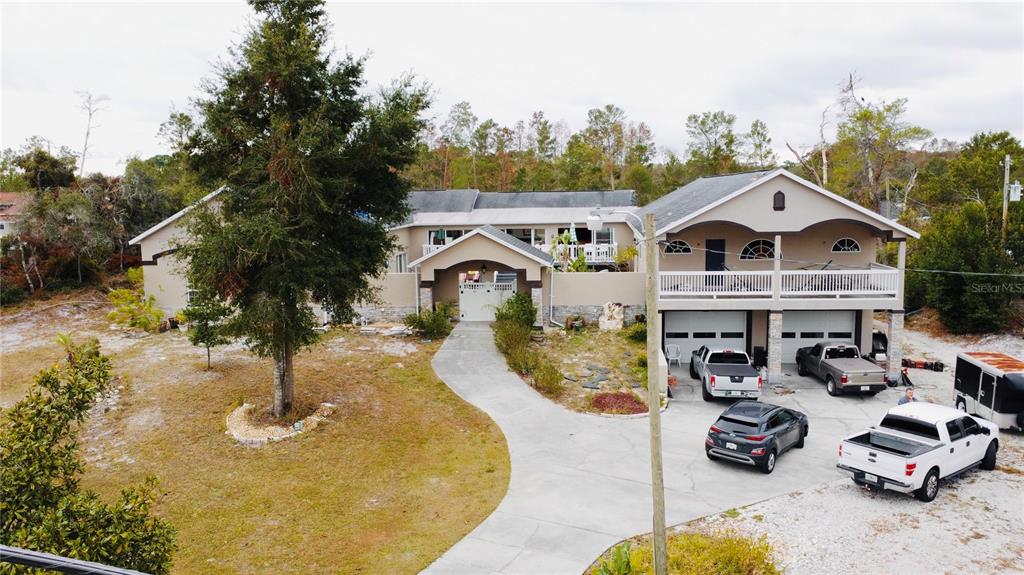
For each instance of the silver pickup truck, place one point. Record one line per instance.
(725, 373)
(841, 367)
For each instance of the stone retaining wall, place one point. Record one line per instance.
(382, 313)
(592, 312)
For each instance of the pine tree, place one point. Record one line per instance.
(206, 316)
(312, 179)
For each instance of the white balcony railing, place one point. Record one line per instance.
(593, 253)
(714, 284)
(861, 283)
(429, 249)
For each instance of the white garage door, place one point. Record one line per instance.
(806, 328)
(477, 301)
(716, 329)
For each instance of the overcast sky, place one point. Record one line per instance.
(960, 65)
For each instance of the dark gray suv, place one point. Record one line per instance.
(755, 433)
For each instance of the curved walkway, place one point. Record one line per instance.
(580, 483)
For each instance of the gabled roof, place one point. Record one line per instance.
(582, 199)
(473, 207)
(11, 204)
(174, 218)
(443, 200)
(704, 194)
(499, 236)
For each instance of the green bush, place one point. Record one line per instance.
(722, 553)
(547, 378)
(618, 563)
(519, 309)
(509, 335)
(132, 307)
(522, 360)
(636, 332)
(431, 323)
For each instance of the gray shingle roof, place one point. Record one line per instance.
(518, 243)
(696, 195)
(443, 200)
(584, 199)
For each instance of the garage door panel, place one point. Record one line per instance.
(804, 328)
(715, 329)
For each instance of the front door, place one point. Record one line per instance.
(714, 257)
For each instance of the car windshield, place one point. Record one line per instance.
(911, 426)
(731, 357)
(841, 353)
(735, 425)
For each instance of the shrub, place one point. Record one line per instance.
(42, 505)
(723, 553)
(519, 309)
(131, 306)
(636, 332)
(547, 378)
(621, 402)
(625, 257)
(431, 323)
(618, 563)
(522, 360)
(509, 335)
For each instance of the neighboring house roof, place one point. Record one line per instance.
(499, 236)
(443, 200)
(584, 199)
(173, 218)
(11, 204)
(703, 194)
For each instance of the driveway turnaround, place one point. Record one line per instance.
(580, 483)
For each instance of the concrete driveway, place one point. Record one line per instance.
(580, 483)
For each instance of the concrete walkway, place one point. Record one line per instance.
(580, 483)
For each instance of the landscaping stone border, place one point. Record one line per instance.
(593, 312)
(384, 314)
(239, 428)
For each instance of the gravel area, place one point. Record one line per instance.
(975, 525)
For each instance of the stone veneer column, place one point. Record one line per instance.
(426, 298)
(774, 347)
(537, 295)
(895, 351)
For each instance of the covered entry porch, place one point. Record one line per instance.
(479, 271)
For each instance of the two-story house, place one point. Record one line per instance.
(758, 260)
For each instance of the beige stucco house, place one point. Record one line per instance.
(763, 261)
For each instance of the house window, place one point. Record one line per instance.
(758, 250)
(845, 246)
(401, 263)
(779, 201)
(677, 247)
(605, 236)
(528, 235)
(434, 237)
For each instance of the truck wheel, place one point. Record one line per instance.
(961, 405)
(800, 368)
(830, 386)
(989, 462)
(803, 434)
(930, 488)
(705, 393)
(768, 463)
(693, 372)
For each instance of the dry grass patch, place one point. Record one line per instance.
(614, 363)
(401, 471)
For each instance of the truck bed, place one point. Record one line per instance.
(891, 444)
(732, 369)
(851, 365)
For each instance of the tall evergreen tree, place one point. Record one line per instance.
(312, 173)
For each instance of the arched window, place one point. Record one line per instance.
(677, 247)
(845, 246)
(779, 201)
(758, 250)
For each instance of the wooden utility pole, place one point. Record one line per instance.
(654, 397)
(1006, 198)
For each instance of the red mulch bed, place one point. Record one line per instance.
(618, 402)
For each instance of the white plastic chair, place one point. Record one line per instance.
(674, 353)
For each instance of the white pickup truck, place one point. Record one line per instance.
(917, 444)
(725, 373)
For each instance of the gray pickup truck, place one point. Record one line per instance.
(841, 367)
(725, 373)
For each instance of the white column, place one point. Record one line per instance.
(901, 266)
(777, 271)
(426, 298)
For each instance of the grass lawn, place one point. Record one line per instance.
(401, 471)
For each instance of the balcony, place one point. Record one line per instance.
(593, 253)
(875, 283)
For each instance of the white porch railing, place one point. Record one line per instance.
(593, 253)
(839, 283)
(878, 282)
(714, 284)
(430, 248)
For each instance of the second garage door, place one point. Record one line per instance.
(806, 328)
(715, 329)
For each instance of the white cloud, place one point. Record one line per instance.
(962, 66)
